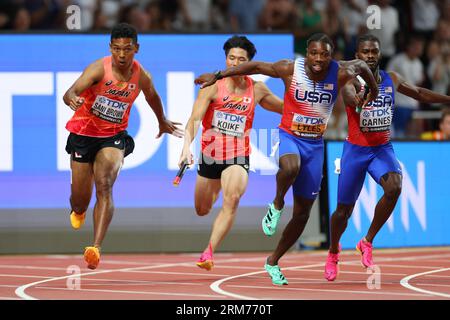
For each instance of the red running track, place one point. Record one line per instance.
(402, 274)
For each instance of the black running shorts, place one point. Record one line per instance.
(84, 149)
(212, 169)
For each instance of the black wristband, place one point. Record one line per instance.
(218, 75)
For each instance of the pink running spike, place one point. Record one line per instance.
(206, 259)
(331, 266)
(365, 249)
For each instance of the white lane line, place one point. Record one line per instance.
(133, 282)
(20, 291)
(9, 298)
(382, 265)
(436, 276)
(433, 285)
(296, 280)
(215, 286)
(235, 267)
(334, 291)
(8, 266)
(354, 272)
(183, 273)
(23, 276)
(405, 282)
(188, 294)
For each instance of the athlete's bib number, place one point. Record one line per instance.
(305, 126)
(108, 109)
(229, 123)
(375, 119)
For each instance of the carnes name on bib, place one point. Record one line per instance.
(377, 115)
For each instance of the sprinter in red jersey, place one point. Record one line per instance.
(226, 111)
(102, 98)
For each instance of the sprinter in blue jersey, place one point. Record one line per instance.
(368, 149)
(311, 87)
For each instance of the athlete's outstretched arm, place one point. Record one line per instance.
(278, 69)
(201, 104)
(267, 99)
(418, 93)
(348, 70)
(154, 100)
(92, 74)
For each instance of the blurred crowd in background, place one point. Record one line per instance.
(414, 35)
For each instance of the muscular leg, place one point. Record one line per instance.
(106, 168)
(293, 230)
(354, 164)
(234, 182)
(81, 186)
(206, 194)
(339, 221)
(392, 186)
(286, 175)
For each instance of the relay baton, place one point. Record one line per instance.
(180, 174)
(366, 92)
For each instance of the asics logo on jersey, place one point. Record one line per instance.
(313, 96)
(381, 101)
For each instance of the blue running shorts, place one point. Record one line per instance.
(356, 161)
(310, 151)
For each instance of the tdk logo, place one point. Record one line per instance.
(378, 113)
(308, 120)
(230, 117)
(312, 121)
(381, 101)
(112, 103)
(313, 97)
(299, 119)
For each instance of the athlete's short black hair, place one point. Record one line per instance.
(240, 42)
(320, 37)
(124, 30)
(366, 37)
